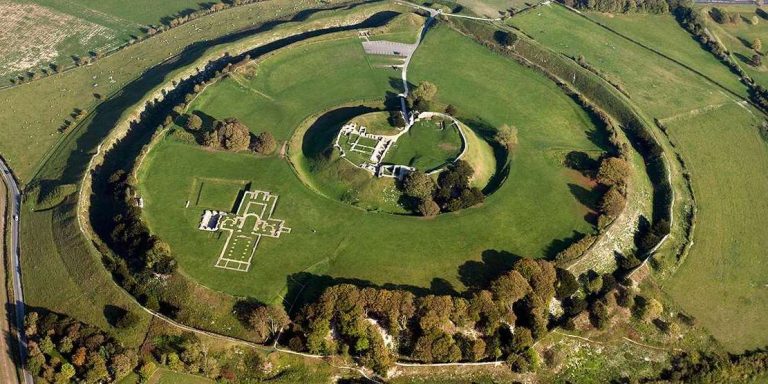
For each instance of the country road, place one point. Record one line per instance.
(14, 208)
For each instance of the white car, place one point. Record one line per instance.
(15, 217)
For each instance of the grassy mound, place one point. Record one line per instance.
(376, 123)
(53, 196)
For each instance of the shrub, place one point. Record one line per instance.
(506, 136)
(419, 185)
(264, 143)
(128, 320)
(575, 250)
(194, 122)
(425, 91)
(428, 208)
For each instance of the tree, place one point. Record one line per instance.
(757, 60)
(506, 136)
(612, 202)
(78, 359)
(46, 345)
(613, 171)
(230, 134)
(235, 136)
(65, 345)
(30, 323)
(419, 185)
(505, 38)
(128, 319)
(508, 288)
(757, 44)
(521, 339)
(599, 314)
(428, 208)
(66, 372)
(451, 110)
(566, 285)
(425, 91)
(265, 143)
(755, 20)
(194, 122)
(121, 364)
(97, 369)
(396, 119)
(267, 321)
(650, 309)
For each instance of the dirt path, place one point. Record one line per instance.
(7, 365)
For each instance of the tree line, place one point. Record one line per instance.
(620, 6)
(379, 326)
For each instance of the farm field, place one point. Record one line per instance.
(738, 37)
(663, 34)
(332, 239)
(722, 281)
(727, 246)
(54, 31)
(661, 88)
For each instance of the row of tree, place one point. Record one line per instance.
(620, 6)
(232, 135)
(377, 326)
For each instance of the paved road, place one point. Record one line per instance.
(14, 206)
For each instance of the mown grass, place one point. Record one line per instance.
(34, 112)
(426, 146)
(335, 239)
(722, 282)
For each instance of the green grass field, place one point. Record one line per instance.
(667, 37)
(427, 146)
(720, 281)
(738, 37)
(332, 238)
(723, 280)
(657, 84)
(165, 376)
(376, 123)
(39, 109)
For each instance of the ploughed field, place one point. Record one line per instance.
(292, 94)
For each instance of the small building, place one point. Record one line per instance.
(211, 220)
